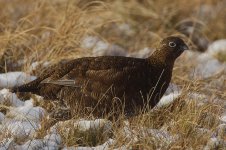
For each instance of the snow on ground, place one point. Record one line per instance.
(217, 47)
(103, 48)
(37, 64)
(27, 111)
(20, 129)
(2, 117)
(143, 53)
(9, 98)
(215, 143)
(161, 137)
(7, 144)
(11, 79)
(104, 146)
(22, 118)
(207, 63)
(168, 99)
(100, 48)
(83, 125)
(223, 117)
(208, 66)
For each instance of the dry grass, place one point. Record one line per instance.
(50, 31)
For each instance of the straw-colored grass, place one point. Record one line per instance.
(50, 31)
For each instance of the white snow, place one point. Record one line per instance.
(31, 144)
(104, 146)
(168, 99)
(223, 118)
(9, 98)
(11, 79)
(172, 88)
(84, 125)
(160, 135)
(143, 53)
(27, 112)
(217, 47)
(22, 118)
(126, 28)
(208, 66)
(100, 48)
(23, 121)
(20, 128)
(214, 143)
(52, 141)
(200, 99)
(37, 64)
(7, 144)
(2, 117)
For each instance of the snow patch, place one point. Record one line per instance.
(8, 98)
(11, 79)
(223, 118)
(20, 128)
(84, 125)
(101, 48)
(7, 144)
(104, 146)
(2, 117)
(208, 66)
(52, 141)
(172, 88)
(216, 47)
(160, 135)
(27, 112)
(143, 53)
(214, 143)
(168, 99)
(31, 144)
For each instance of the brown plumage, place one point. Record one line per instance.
(109, 85)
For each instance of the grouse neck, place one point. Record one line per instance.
(161, 58)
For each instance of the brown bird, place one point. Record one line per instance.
(109, 85)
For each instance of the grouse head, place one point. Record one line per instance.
(170, 48)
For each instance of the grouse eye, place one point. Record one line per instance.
(172, 44)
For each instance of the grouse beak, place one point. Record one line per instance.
(184, 47)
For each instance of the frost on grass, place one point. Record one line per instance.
(11, 79)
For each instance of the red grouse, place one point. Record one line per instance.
(109, 85)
